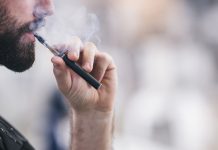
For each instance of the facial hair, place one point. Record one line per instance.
(14, 54)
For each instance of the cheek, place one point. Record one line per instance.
(22, 10)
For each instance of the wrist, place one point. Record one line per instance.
(84, 107)
(92, 116)
(94, 127)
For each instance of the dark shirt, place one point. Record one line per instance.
(11, 139)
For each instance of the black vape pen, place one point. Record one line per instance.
(74, 66)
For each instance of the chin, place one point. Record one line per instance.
(20, 65)
(20, 58)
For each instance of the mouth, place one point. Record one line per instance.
(28, 35)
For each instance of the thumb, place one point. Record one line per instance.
(62, 74)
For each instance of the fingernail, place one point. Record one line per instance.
(76, 54)
(73, 55)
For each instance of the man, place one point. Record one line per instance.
(91, 110)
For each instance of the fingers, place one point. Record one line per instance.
(84, 55)
(74, 47)
(76, 51)
(88, 56)
(103, 63)
(62, 74)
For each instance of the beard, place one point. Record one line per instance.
(14, 54)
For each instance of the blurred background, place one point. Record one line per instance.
(167, 58)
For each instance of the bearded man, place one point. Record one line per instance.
(91, 109)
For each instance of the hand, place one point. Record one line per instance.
(81, 95)
(92, 119)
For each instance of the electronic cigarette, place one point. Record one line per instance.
(71, 64)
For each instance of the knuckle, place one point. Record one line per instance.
(90, 46)
(106, 57)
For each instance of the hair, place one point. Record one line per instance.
(14, 55)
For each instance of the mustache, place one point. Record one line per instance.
(24, 28)
(32, 26)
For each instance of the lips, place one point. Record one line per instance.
(27, 38)
(27, 34)
(30, 35)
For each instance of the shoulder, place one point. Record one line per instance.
(11, 139)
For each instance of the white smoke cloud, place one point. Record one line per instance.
(71, 19)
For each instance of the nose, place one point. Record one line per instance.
(44, 8)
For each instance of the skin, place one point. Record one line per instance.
(91, 110)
